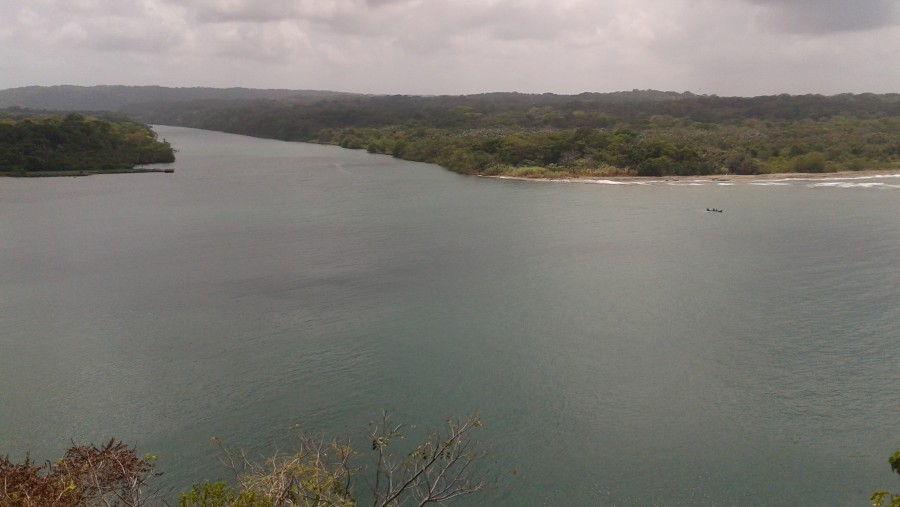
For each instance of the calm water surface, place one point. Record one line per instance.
(623, 346)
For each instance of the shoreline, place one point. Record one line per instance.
(76, 174)
(714, 178)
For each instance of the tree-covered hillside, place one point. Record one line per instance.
(642, 133)
(76, 143)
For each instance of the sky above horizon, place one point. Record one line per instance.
(723, 47)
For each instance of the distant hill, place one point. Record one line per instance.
(634, 133)
(114, 98)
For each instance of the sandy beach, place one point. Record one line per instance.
(718, 178)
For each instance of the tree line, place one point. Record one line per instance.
(640, 133)
(76, 142)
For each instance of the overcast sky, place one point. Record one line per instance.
(724, 47)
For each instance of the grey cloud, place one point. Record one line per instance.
(132, 42)
(131, 34)
(77, 8)
(379, 3)
(827, 16)
(207, 11)
(99, 25)
(252, 11)
(277, 42)
(512, 21)
(445, 26)
(457, 46)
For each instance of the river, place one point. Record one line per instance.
(622, 345)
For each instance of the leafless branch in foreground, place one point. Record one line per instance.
(321, 472)
(438, 470)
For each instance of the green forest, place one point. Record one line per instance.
(637, 133)
(32, 144)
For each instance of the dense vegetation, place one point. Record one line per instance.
(642, 133)
(636, 133)
(76, 143)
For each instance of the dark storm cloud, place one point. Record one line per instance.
(827, 16)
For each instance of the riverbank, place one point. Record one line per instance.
(75, 174)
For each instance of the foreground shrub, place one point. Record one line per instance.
(325, 473)
(318, 472)
(109, 475)
(882, 498)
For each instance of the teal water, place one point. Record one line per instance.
(622, 346)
